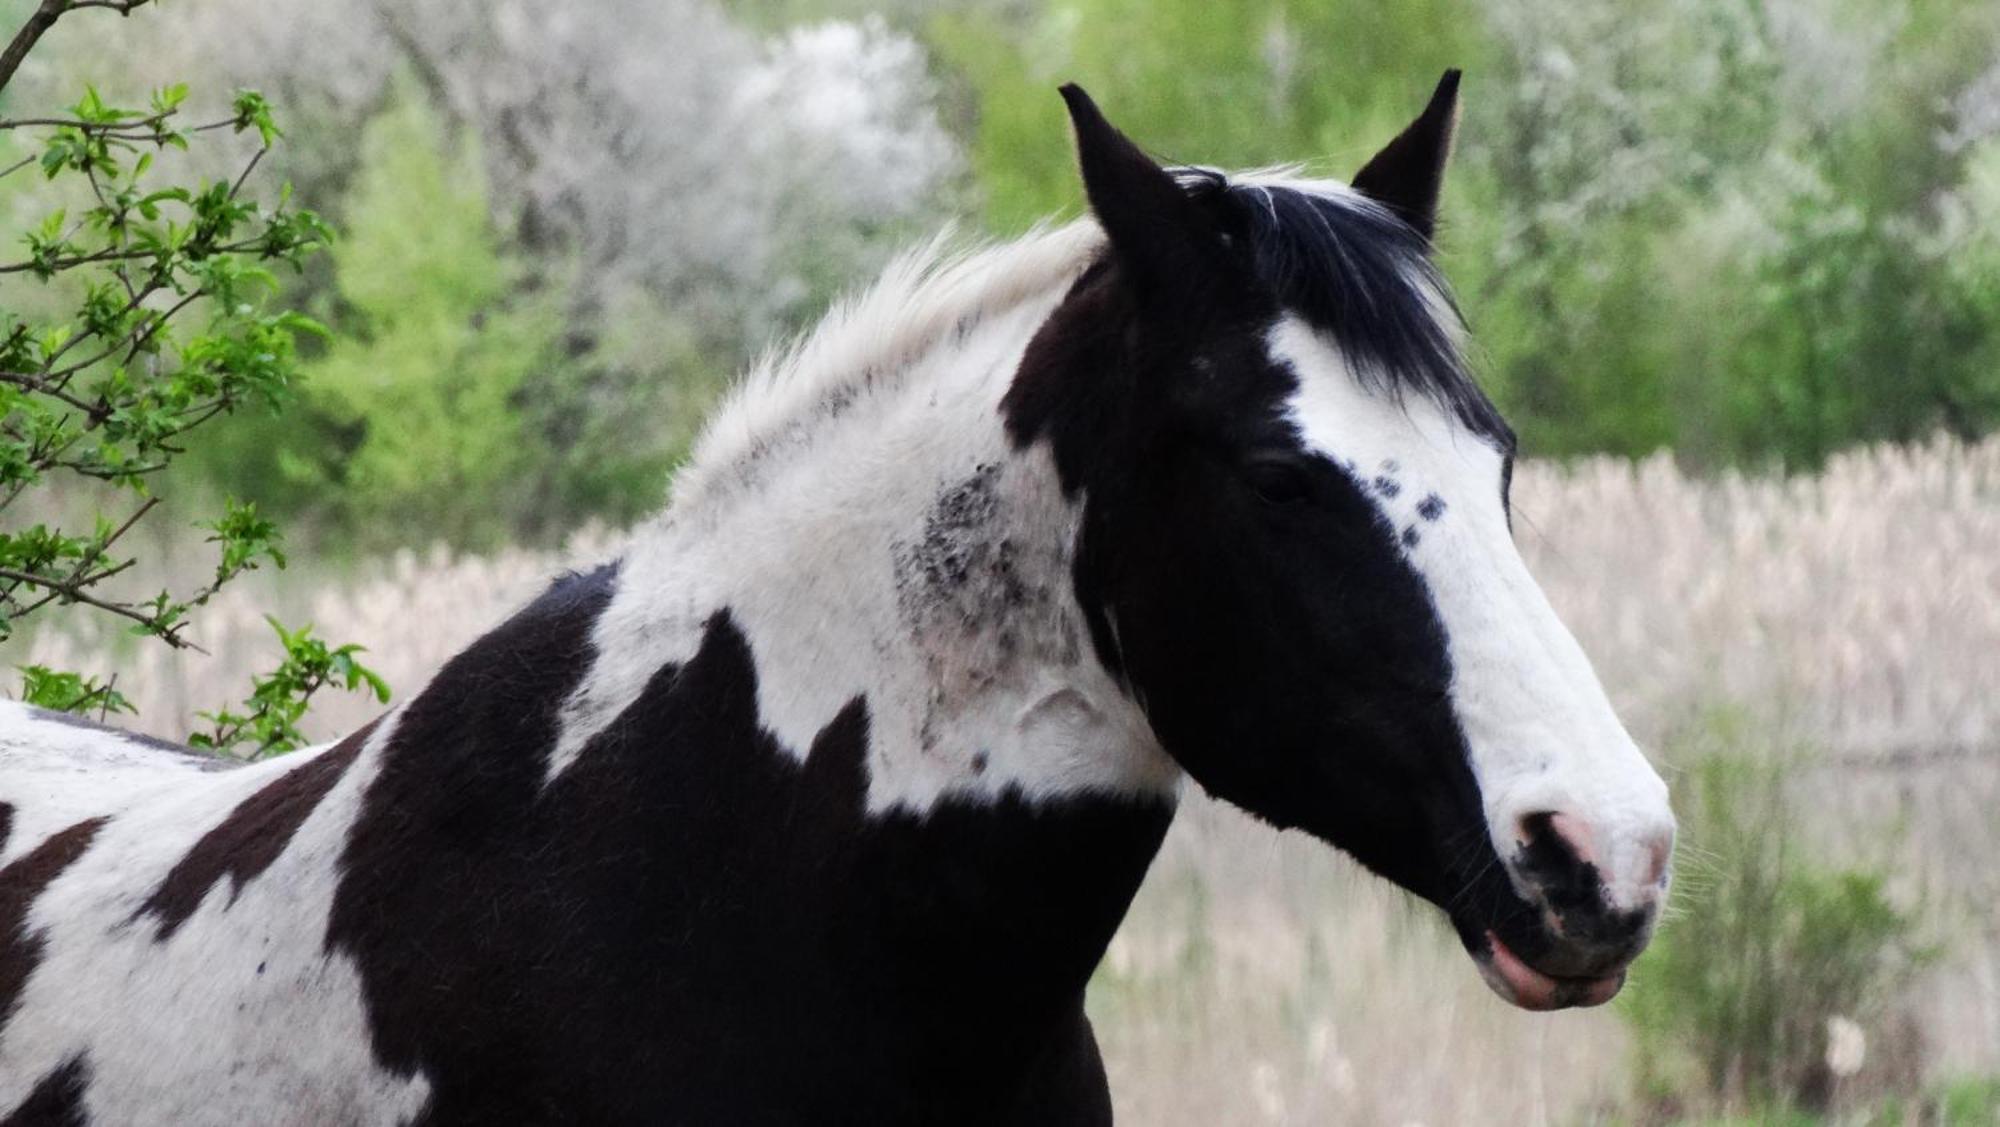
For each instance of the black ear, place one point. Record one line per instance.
(1165, 244)
(1407, 174)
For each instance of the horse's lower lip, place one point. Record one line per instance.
(1530, 989)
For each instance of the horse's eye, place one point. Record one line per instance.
(1279, 482)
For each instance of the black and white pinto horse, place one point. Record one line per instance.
(821, 804)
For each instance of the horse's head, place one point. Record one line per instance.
(1296, 552)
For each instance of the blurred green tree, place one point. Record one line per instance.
(1233, 83)
(1734, 228)
(407, 425)
(453, 402)
(1731, 1005)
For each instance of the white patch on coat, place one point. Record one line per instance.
(818, 558)
(1542, 734)
(241, 1016)
(884, 340)
(55, 774)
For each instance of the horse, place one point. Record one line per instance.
(822, 801)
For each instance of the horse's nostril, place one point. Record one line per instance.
(1531, 828)
(1575, 834)
(1554, 839)
(1595, 890)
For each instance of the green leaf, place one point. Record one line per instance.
(62, 691)
(253, 112)
(167, 98)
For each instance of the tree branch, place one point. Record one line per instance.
(78, 123)
(103, 546)
(73, 593)
(115, 255)
(39, 385)
(44, 18)
(255, 159)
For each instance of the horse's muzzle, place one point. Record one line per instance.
(1590, 918)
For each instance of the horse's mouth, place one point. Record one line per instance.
(1523, 985)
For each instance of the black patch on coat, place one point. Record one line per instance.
(57, 1100)
(1431, 507)
(24, 879)
(1074, 375)
(246, 842)
(6, 824)
(689, 925)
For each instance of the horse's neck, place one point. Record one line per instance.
(903, 553)
(833, 738)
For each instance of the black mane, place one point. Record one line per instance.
(1353, 269)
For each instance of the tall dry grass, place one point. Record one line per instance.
(1856, 612)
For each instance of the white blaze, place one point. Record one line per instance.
(1541, 734)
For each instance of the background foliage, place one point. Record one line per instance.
(1742, 229)
(1771, 947)
(1748, 231)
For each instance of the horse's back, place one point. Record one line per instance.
(58, 770)
(147, 891)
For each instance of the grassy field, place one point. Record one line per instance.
(1849, 622)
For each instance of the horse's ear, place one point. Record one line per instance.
(1164, 243)
(1406, 175)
